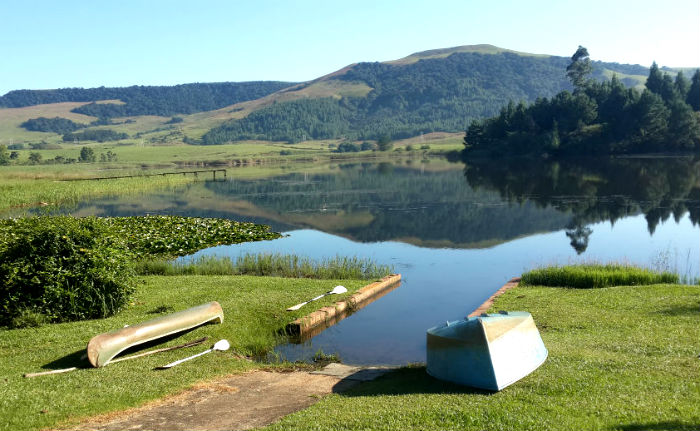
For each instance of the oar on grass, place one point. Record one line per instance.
(125, 358)
(220, 345)
(336, 290)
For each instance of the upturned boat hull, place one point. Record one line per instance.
(490, 351)
(103, 348)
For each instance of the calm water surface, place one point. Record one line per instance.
(456, 233)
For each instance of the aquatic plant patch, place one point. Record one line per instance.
(152, 236)
(178, 236)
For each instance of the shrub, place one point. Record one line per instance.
(63, 269)
(43, 145)
(589, 276)
(347, 147)
(28, 319)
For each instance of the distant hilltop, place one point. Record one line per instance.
(440, 90)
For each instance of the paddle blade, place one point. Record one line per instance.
(338, 289)
(296, 307)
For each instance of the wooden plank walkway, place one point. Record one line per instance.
(195, 173)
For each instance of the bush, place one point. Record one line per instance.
(595, 276)
(61, 268)
(43, 145)
(347, 147)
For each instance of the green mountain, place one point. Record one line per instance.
(436, 90)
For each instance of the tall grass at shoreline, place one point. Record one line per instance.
(49, 192)
(269, 264)
(590, 276)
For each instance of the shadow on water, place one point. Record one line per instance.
(404, 381)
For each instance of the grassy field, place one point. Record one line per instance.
(132, 152)
(620, 358)
(11, 118)
(254, 310)
(20, 187)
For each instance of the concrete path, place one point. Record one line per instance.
(240, 402)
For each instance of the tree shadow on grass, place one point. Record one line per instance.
(404, 381)
(654, 426)
(681, 310)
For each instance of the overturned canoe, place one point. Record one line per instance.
(103, 348)
(490, 351)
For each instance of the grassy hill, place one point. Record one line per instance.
(439, 90)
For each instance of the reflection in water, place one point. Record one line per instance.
(579, 237)
(595, 190)
(455, 242)
(430, 204)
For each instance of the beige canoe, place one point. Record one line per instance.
(103, 348)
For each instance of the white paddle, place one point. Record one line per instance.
(336, 290)
(220, 345)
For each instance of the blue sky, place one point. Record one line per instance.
(55, 44)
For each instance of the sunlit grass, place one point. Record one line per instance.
(620, 358)
(254, 311)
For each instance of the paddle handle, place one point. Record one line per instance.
(298, 306)
(172, 364)
(43, 373)
(165, 349)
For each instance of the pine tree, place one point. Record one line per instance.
(580, 68)
(693, 97)
(655, 80)
(682, 85)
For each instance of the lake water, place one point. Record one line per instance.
(456, 233)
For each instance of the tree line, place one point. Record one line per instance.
(596, 118)
(147, 100)
(99, 135)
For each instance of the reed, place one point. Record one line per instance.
(269, 264)
(588, 276)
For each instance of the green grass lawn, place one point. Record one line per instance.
(620, 358)
(254, 309)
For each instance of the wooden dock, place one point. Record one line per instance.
(162, 174)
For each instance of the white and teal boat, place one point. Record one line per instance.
(490, 351)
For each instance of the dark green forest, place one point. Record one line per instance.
(147, 100)
(99, 135)
(596, 118)
(430, 95)
(55, 125)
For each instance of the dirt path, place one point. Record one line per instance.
(240, 402)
